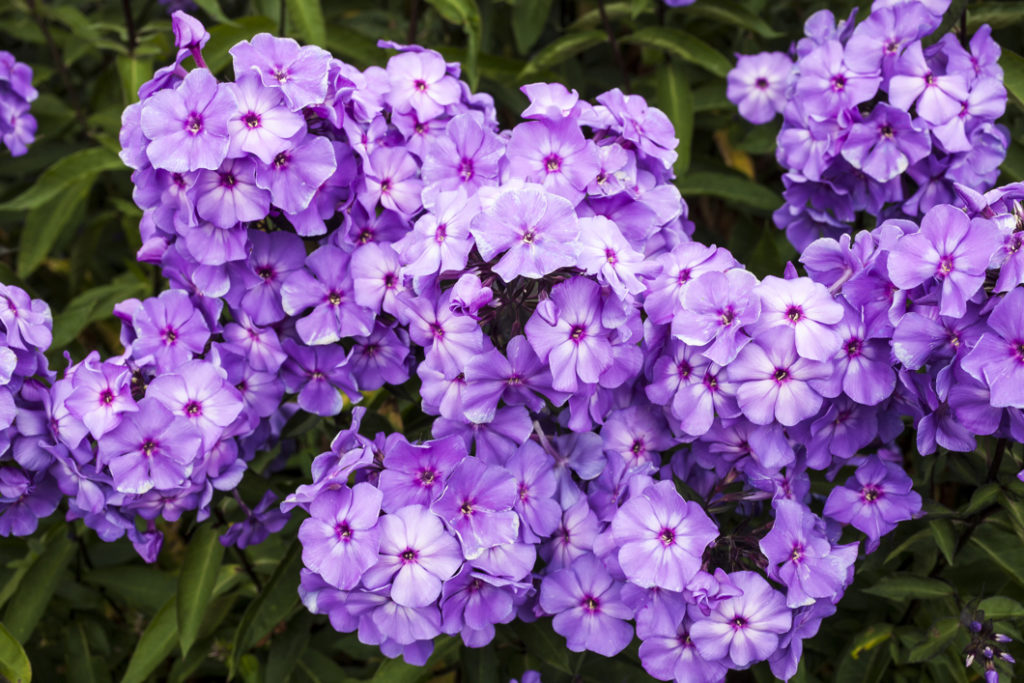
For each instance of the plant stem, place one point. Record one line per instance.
(414, 21)
(58, 62)
(614, 43)
(129, 23)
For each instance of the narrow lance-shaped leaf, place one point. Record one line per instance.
(155, 645)
(277, 600)
(33, 595)
(676, 99)
(308, 18)
(45, 225)
(196, 582)
(686, 46)
(561, 49)
(529, 18)
(55, 180)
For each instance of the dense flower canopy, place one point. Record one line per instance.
(623, 422)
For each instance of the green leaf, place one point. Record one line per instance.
(542, 642)
(353, 46)
(81, 663)
(560, 49)
(734, 14)
(14, 664)
(982, 497)
(464, 13)
(287, 650)
(94, 304)
(319, 668)
(195, 583)
(902, 587)
(397, 671)
(145, 588)
(686, 46)
(38, 586)
(999, 14)
(155, 645)
(212, 8)
(615, 11)
(275, 603)
(909, 543)
(938, 637)
(945, 538)
(308, 19)
(1003, 549)
(479, 664)
(729, 186)
(54, 181)
(45, 225)
(529, 17)
(676, 100)
(133, 72)
(866, 661)
(1000, 607)
(1013, 75)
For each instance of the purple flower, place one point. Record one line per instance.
(300, 73)
(886, 143)
(878, 41)
(535, 229)
(416, 556)
(669, 654)
(801, 556)
(603, 251)
(102, 395)
(317, 373)
(757, 85)
(420, 81)
(326, 286)
(587, 607)
(198, 391)
(939, 97)
(998, 357)
(392, 179)
(718, 305)
(261, 124)
(807, 308)
(554, 154)
(440, 239)
(295, 174)
(415, 474)
(466, 156)
(230, 195)
(533, 470)
(662, 537)
(477, 505)
(744, 628)
(773, 383)
(951, 248)
(341, 538)
(873, 500)
(827, 85)
(188, 125)
(568, 335)
(170, 331)
(151, 448)
(273, 258)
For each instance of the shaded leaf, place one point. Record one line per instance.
(939, 635)
(560, 49)
(479, 664)
(1001, 607)
(308, 18)
(34, 593)
(734, 14)
(45, 225)
(686, 46)
(902, 587)
(54, 181)
(464, 13)
(94, 304)
(1004, 551)
(676, 100)
(542, 642)
(133, 72)
(145, 588)
(529, 18)
(287, 650)
(997, 14)
(198, 577)
(945, 538)
(729, 186)
(155, 644)
(1013, 75)
(278, 599)
(212, 8)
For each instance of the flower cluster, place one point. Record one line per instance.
(329, 231)
(17, 126)
(874, 121)
(28, 489)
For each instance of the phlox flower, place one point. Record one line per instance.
(340, 540)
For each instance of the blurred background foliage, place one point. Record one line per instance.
(84, 610)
